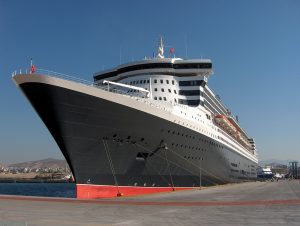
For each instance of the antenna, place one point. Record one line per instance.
(160, 51)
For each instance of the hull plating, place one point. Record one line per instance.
(110, 144)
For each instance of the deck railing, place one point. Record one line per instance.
(106, 87)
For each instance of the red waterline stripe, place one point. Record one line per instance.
(86, 191)
(156, 203)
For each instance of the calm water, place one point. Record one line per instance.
(39, 189)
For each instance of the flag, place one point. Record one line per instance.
(33, 69)
(172, 50)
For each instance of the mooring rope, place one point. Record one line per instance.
(111, 164)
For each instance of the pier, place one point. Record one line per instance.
(253, 203)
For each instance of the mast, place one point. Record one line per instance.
(160, 52)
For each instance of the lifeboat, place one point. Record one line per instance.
(230, 126)
(223, 121)
(242, 139)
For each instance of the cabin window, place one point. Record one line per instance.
(169, 90)
(155, 98)
(162, 89)
(175, 91)
(160, 98)
(189, 102)
(155, 81)
(173, 83)
(191, 83)
(167, 81)
(155, 89)
(161, 81)
(165, 99)
(189, 92)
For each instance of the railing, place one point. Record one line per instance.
(107, 88)
(54, 74)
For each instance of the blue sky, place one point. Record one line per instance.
(254, 46)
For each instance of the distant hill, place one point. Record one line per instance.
(44, 163)
(272, 161)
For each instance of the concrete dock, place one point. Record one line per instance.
(255, 203)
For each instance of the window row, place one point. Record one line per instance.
(190, 92)
(153, 66)
(192, 66)
(139, 82)
(191, 83)
(163, 90)
(191, 102)
(160, 98)
(162, 81)
(202, 140)
(192, 157)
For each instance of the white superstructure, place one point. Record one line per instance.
(181, 86)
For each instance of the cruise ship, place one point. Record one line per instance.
(143, 127)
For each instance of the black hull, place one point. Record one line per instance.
(144, 150)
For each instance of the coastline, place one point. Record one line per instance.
(33, 178)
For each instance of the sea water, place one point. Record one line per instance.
(66, 190)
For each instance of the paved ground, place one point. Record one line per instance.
(257, 203)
